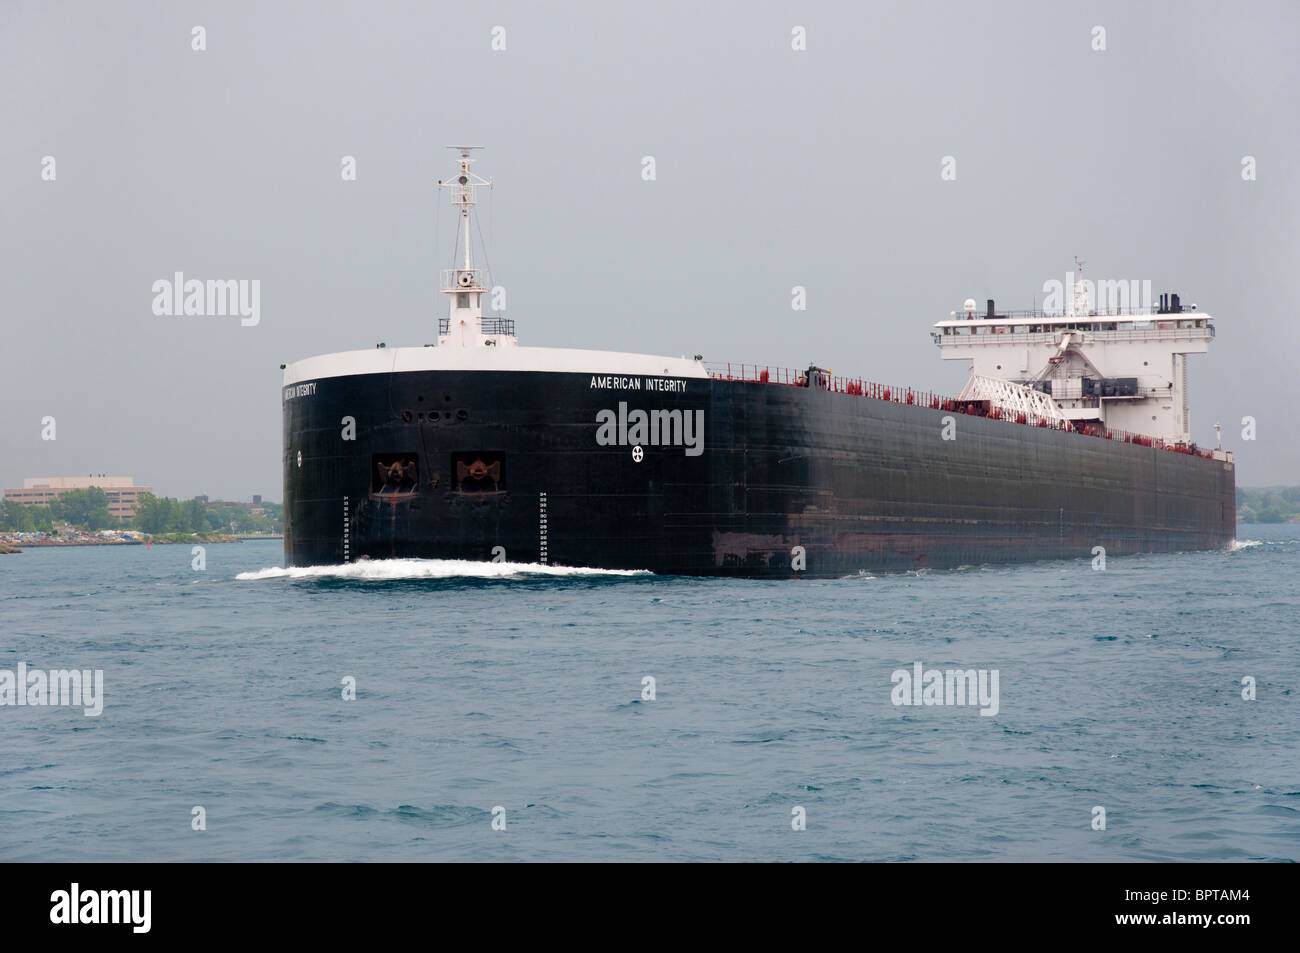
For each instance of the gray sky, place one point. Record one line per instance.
(775, 168)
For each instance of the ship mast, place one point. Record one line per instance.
(1079, 305)
(465, 285)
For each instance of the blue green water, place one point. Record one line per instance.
(484, 686)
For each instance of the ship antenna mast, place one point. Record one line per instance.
(464, 285)
(462, 195)
(1079, 305)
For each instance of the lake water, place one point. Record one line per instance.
(481, 686)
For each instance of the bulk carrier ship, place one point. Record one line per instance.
(1072, 433)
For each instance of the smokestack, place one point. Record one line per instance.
(990, 307)
(1173, 304)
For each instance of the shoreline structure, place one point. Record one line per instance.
(11, 543)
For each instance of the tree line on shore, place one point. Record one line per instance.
(88, 510)
(1278, 504)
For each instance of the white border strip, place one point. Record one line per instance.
(545, 359)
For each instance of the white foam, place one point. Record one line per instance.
(1237, 545)
(386, 569)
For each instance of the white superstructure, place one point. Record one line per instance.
(1126, 369)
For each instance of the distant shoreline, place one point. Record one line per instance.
(8, 547)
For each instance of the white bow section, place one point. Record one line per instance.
(1016, 398)
(398, 360)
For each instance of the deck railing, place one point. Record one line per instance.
(492, 324)
(856, 386)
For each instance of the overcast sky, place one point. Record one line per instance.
(775, 168)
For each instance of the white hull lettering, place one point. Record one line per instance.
(664, 385)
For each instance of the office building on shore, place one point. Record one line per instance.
(122, 492)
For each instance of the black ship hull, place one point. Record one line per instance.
(729, 478)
